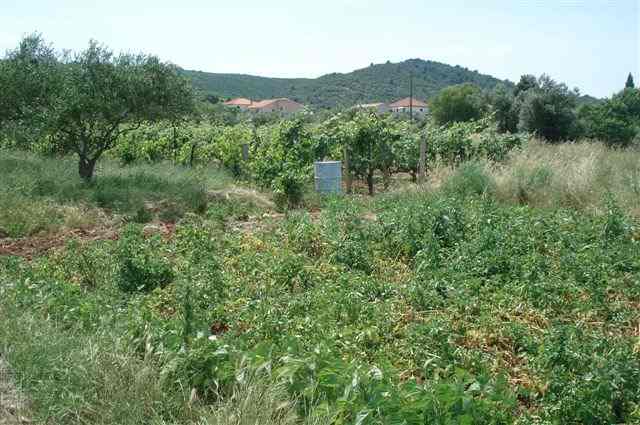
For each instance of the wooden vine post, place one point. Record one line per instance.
(245, 151)
(422, 164)
(347, 172)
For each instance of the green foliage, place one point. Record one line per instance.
(629, 103)
(228, 146)
(141, 266)
(505, 109)
(460, 142)
(457, 103)
(629, 84)
(405, 148)
(614, 121)
(89, 99)
(548, 110)
(378, 83)
(605, 122)
(282, 160)
(470, 179)
(526, 83)
(369, 146)
(28, 79)
(444, 307)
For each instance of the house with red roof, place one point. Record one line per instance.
(379, 107)
(282, 105)
(403, 106)
(239, 102)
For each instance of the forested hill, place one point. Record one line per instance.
(382, 82)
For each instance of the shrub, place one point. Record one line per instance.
(448, 226)
(288, 189)
(611, 122)
(470, 179)
(282, 161)
(457, 103)
(529, 184)
(548, 110)
(504, 109)
(496, 147)
(141, 266)
(228, 147)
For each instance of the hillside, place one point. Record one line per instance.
(381, 82)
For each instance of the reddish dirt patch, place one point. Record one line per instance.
(38, 245)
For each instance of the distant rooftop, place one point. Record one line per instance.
(407, 102)
(239, 101)
(370, 105)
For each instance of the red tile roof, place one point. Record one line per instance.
(239, 101)
(370, 105)
(264, 103)
(405, 103)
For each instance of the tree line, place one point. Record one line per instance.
(139, 107)
(546, 108)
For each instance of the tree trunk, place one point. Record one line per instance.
(192, 155)
(175, 145)
(386, 177)
(370, 181)
(86, 167)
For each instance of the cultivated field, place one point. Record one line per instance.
(494, 293)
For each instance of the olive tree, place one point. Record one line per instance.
(458, 103)
(615, 121)
(96, 96)
(504, 108)
(28, 79)
(104, 96)
(526, 82)
(548, 110)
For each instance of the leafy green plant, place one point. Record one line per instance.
(141, 266)
(283, 161)
(470, 179)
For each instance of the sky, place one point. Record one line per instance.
(589, 44)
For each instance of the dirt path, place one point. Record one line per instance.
(13, 405)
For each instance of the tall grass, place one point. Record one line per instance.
(577, 175)
(44, 194)
(74, 378)
(580, 175)
(79, 378)
(257, 400)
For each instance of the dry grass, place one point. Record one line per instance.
(13, 405)
(579, 175)
(256, 400)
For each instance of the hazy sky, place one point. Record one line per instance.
(589, 44)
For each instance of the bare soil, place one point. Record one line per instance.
(31, 247)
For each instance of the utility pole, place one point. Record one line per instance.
(411, 95)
